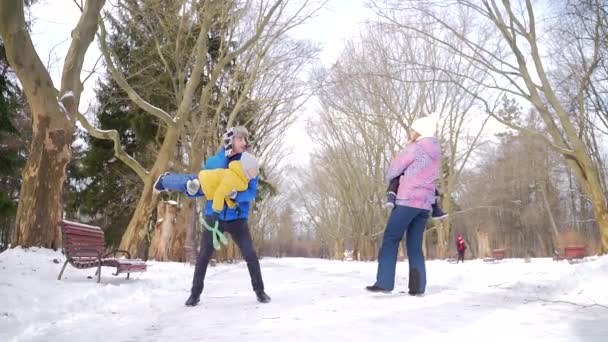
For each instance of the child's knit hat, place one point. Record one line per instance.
(250, 165)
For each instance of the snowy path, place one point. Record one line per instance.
(313, 300)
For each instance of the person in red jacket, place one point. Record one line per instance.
(460, 247)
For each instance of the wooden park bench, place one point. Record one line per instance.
(571, 253)
(84, 247)
(497, 255)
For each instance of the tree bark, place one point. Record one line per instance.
(133, 238)
(161, 246)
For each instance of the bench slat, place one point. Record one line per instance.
(83, 233)
(84, 242)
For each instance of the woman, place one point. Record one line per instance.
(418, 165)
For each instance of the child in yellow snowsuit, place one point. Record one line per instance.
(219, 184)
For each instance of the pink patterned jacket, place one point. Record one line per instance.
(418, 165)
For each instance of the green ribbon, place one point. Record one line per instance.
(217, 235)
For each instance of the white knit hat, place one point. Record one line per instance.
(425, 126)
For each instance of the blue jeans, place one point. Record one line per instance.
(177, 182)
(410, 221)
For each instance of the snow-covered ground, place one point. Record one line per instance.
(312, 300)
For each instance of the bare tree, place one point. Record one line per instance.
(369, 99)
(515, 59)
(243, 33)
(40, 207)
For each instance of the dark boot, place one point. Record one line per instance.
(262, 297)
(414, 283)
(375, 288)
(193, 300)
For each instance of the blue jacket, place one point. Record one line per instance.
(243, 199)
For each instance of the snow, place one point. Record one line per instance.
(64, 110)
(67, 94)
(312, 300)
(61, 106)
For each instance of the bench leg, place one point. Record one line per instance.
(128, 276)
(62, 269)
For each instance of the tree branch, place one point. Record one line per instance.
(118, 151)
(82, 36)
(118, 76)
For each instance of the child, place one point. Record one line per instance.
(460, 247)
(220, 185)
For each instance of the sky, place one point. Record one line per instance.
(53, 21)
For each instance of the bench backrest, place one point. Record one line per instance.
(574, 251)
(499, 253)
(77, 236)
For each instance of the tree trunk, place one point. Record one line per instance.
(424, 247)
(133, 239)
(161, 246)
(443, 228)
(153, 251)
(601, 217)
(339, 249)
(588, 177)
(483, 243)
(443, 239)
(184, 248)
(40, 206)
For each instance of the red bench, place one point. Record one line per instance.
(84, 247)
(497, 254)
(571, 253)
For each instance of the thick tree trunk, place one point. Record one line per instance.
(162, 242)
(601, 216)
(339, 249)
(133, 239)
(483, 244)
(183, 228)
(588, 177)
(184, 236)
(40, 209)
(444, 226)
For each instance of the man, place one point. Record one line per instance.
(231, 220)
